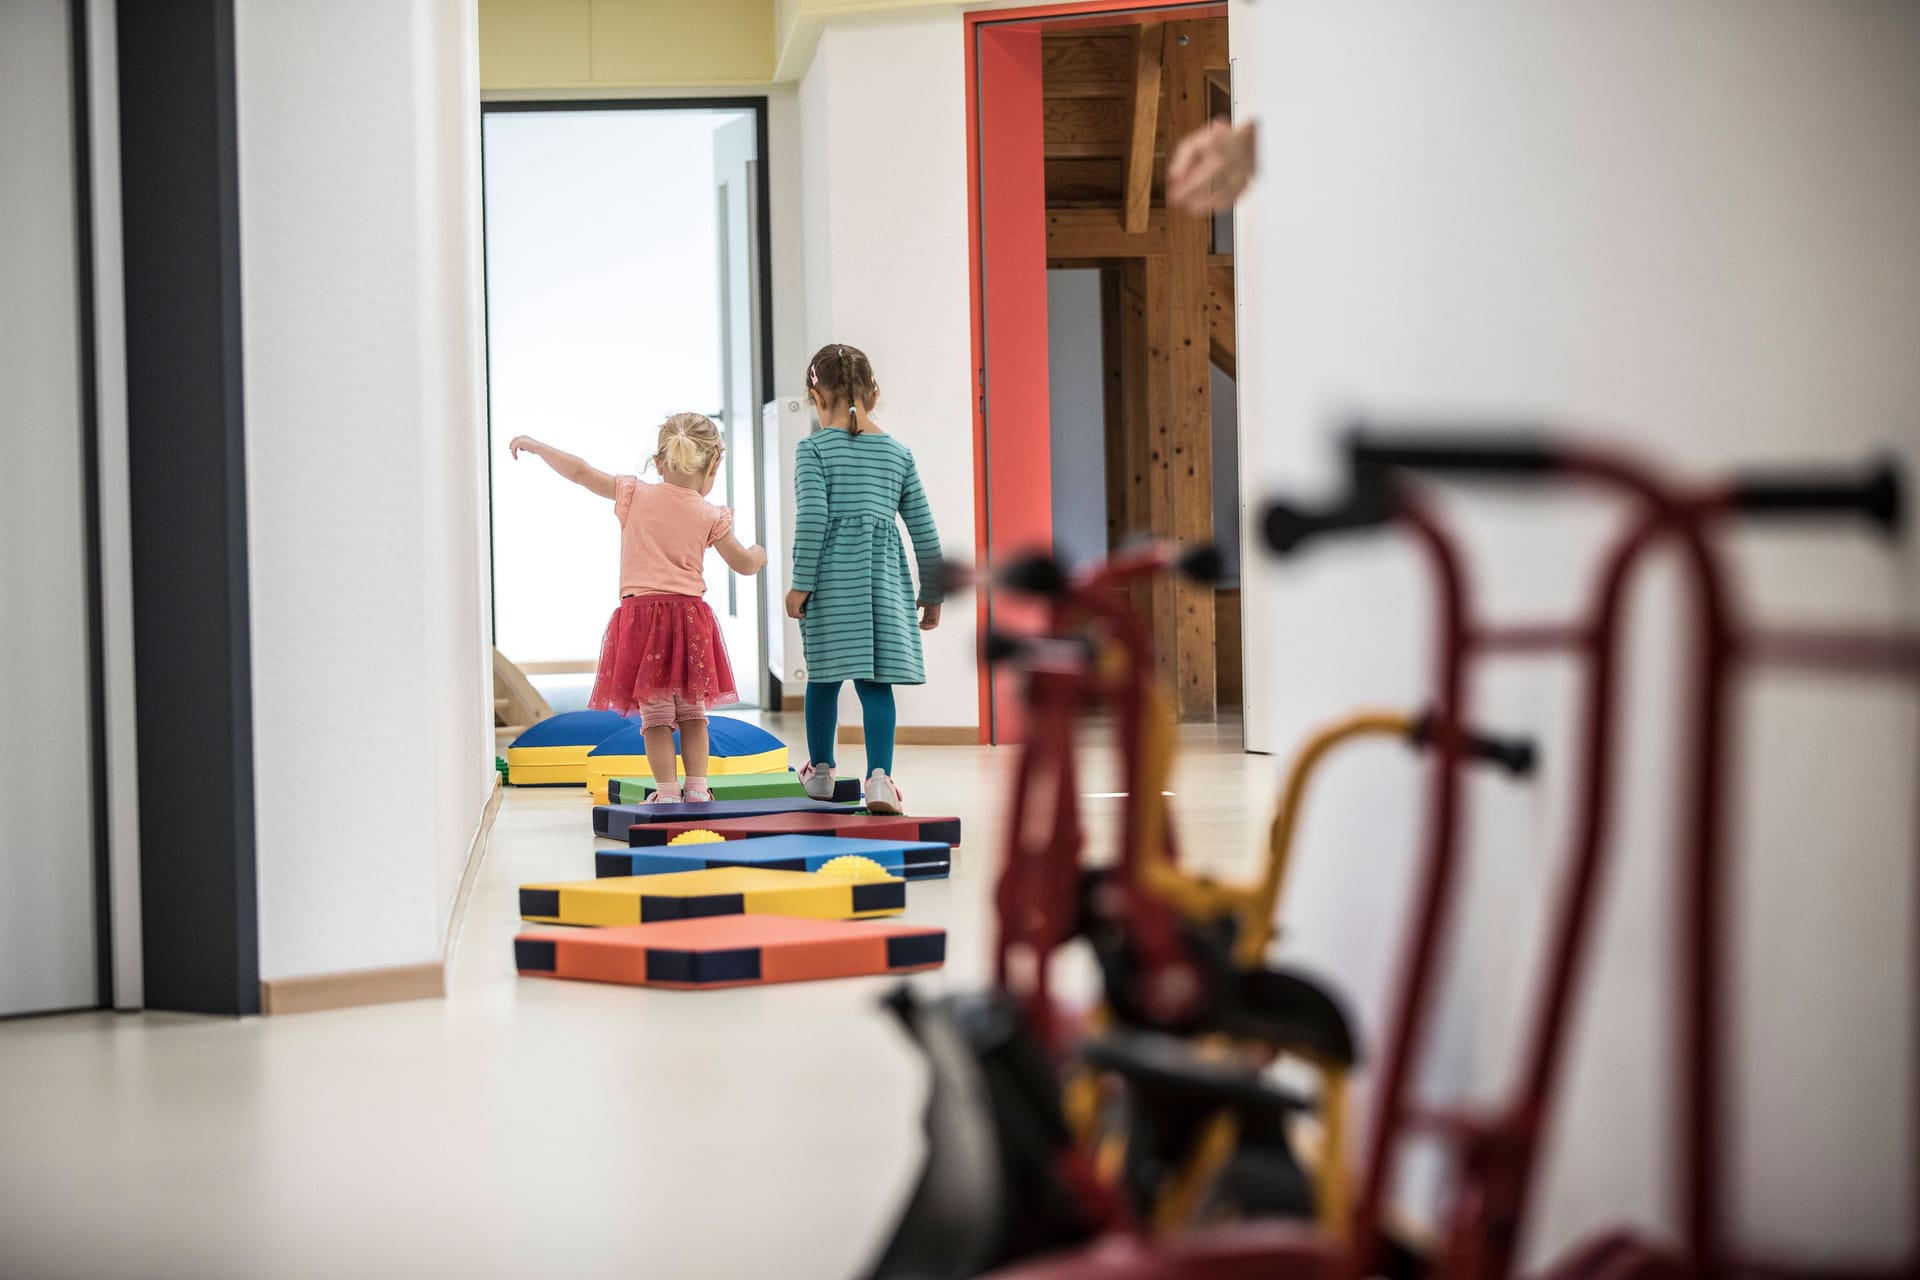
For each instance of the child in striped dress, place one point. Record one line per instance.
(852, 591)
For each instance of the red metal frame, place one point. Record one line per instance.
(1017, 497)
(1038, 894)
(1498, 1150)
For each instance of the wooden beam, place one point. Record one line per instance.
(1190, 445)
(1158, 443)
(1081, 120)
(1220, 318)
(1100, 182)
(1207, 43)
(1109, 149)
(1086, 64)
(1099, 233)
(1146, 119)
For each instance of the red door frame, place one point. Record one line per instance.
(1013, 500)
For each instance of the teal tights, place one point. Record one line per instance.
(823, 721)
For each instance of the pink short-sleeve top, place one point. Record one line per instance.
(665, 531)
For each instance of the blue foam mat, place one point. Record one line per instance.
(908, 859)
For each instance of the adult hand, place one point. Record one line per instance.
(522, 443)
(1210, 168)
(797, 603)
(929, 616)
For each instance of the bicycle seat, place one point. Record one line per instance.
(1287, 1011)
(1166, 1068)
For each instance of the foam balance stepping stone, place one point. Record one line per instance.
(729, 951)
(614, 821)
(735, 786)
(719, 891)
(908, 859)
(862, 826)
(553, 753)
(733, 746)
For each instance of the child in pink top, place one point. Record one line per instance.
(663, 653)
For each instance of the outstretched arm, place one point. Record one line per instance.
(741, 559)
(568, 466)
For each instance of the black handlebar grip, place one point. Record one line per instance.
(1517, 755)
(1038, 574)
(948, 578)
(1877, 495)
(1439, 449)
(1202, 564)
(999, 647)
(1373, 503)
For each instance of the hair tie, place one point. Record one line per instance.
(813, 376)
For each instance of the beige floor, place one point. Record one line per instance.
(521, 1127)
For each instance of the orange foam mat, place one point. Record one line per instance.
(729, 951)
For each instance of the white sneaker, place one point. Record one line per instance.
(817, 783)
(882, 795)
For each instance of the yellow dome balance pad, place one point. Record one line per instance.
(698, 837)
(851, 866)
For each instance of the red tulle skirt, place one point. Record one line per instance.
(659, 645)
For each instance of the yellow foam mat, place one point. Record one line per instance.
(716, 891)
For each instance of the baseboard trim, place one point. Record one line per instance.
(323, 991)
(923, 735)
(320, 992)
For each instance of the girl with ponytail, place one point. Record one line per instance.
(853, 593)
(662, 654)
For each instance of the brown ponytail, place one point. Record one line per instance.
(844, 375)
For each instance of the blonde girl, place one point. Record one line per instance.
(663, 654)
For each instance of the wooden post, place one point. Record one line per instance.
(1146, 117)
(1188, 432)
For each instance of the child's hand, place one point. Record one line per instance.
(929, 616)
(797, 603)
(519, 443)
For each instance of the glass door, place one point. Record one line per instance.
(622, 271)
(736, 216)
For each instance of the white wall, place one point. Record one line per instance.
(359, 235)
(1691, 227)
(1077, 413)
(884, 191)
(46, 768)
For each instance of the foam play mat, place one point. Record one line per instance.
(553, 753)
(863, 826)
(735, 786)
(613, 821)
(729, 951)
(733, 747)
(908, 859)
(719, 891)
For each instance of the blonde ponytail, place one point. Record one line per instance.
(689, 442)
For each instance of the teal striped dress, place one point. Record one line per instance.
(848, 495)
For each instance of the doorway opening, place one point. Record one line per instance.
(626, 280)
(1093, 298)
